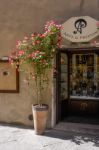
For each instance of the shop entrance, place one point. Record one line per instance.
(78, 85)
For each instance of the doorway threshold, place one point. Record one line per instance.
(78, 128)
(94, 120)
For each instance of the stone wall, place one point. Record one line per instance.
(19, 18)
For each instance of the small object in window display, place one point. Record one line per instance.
(75, 87)
(84, 84)
(79, 92)
(97, 94)
(84, 92)
(95, 83)
(63, 95)
(90, 74)
(81, 59)
(94, 74)
(90, 92)
(94, 87)
(74, 92)
(85, 74)
(74, 75)
(74, 84)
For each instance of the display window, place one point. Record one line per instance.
(84, 76)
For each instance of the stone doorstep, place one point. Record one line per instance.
(78, 127)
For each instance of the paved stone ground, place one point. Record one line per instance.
(63, 137)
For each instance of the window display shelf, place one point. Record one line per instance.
(84, 97)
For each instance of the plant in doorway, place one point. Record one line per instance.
(34, 56)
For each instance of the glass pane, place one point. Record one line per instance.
(64, 76)
(84, 76)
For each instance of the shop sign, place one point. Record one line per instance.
(80, 29)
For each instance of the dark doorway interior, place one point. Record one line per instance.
(81, 119)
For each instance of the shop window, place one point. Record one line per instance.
(84, 76)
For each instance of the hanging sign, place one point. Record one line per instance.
(80, 29)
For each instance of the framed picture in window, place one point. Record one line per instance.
(9, 77)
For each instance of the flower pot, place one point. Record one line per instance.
(40, 114)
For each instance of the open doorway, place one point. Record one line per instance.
(78, 86)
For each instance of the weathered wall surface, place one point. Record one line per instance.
(19, 18)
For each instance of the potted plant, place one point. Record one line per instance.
(34, 56)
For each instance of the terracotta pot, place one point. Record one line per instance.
(40, 114)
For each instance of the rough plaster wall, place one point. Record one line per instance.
(22, 17)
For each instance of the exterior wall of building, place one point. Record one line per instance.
(19, 19)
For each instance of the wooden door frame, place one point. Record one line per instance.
(58, 87)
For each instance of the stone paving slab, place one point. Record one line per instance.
(15, 138)
(60, 140)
